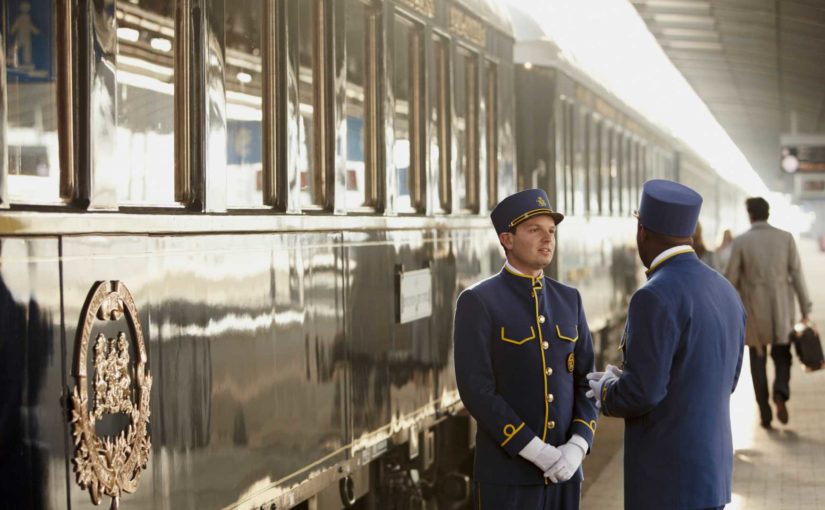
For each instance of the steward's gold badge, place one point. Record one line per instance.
(571, 362)
(541, 202)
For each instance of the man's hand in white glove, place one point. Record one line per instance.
(540, 453)
(572, 453)
(597, 380)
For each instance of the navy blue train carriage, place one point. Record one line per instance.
(232, 236)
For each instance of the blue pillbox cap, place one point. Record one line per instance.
(520, 206)
(669, 208)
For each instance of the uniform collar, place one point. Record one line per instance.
(667, 255)
(535, 281)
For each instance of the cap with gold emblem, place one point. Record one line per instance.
(520, 206)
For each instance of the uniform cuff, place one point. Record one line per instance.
(585, 429)
(516, 438)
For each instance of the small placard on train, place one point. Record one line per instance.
(415, 295)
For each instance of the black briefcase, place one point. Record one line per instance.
(805, 340)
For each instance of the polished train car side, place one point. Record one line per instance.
(260, 215)
(219, 210)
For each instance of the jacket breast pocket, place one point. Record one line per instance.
(567, 332)
(517, 336)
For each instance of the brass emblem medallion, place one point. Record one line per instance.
(571, 362)
(109, 466)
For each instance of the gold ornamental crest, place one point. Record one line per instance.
(110, 466)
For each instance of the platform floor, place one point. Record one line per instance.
(782, 469)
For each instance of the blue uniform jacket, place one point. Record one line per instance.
(522, 353)
(682, 346)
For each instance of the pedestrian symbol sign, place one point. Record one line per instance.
(29, 32)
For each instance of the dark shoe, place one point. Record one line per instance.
(766, 425)
(781, 412)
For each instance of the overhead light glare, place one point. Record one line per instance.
(688, 5)
(684, 19)
(128, 34)
(692, 33)
(161, 44)
(694, 45)
(243, 77)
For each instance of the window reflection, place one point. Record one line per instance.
(506, 138)
(439, 139)
(357, 179)
(402, 90)
(31, 74)
(145, 95)
(311, 179)
(491, 153)
(466, 100)
(244, 100)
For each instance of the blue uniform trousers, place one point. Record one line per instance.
(564, 496)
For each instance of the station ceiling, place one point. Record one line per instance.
(756, 64)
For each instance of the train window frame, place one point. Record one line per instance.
(586, 131)
(491, 127)
(469, 58)
(611, 169)
(320, 154)
(598, 124)
(416, 83)
(65, 187)
(442, 61)
(570, 159)
(371, 18)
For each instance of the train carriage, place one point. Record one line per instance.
(233, 234)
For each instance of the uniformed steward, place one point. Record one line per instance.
(682, 353)
(522, 354)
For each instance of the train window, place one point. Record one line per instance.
(580, 197)
(598, 163)
(303, 14)
(643, 169)
(506, 144)
(560, 120)
(32, 121)
(360, 176)
(406, 65)
(615, 157)
(570, 137)
(607, 169)
(466, 130)
(621, 172)
(630, 180)
(440, 112)
(491, 154)
(637, 174)
(145, 108)
(244, 104)
(586, 123)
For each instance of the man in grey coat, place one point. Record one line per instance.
(764, 267)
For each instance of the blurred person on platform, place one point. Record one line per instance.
(705, 255)
(764, 267)
(723, 250)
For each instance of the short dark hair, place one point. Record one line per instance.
(758, 208)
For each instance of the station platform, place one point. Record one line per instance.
(781, 469)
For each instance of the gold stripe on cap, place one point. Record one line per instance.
(530, 214)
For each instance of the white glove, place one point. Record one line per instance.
(564, 468)
(597, 380)
(540, 453)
